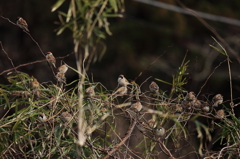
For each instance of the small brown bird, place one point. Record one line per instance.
(190, 96)
(220, 114)
(152, 123)
(160, 132)
(217, 99)
(63, 68)
(154, 88)
(34, 83)
(122, 90)
(42, 117)
(206, 108)
(22, 24)
(122, 81)
(196, 103)
(141, 127)
(136, 106)
(51, 59)
(66, 117)
(90, 91)
(61, 77)
(179, 108)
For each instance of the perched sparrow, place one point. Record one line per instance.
(154, 87)
(122, 81)
(51, 59)
(220, 114)
(66, 117)
(42, 117)
(61, 77)
(121, 90)
(141, 127)
(206, 108)
(22, 23)
(136, 106)
(34, 83)
(90, 91)
(196, 103)
(152, 123)
(160, 132)
(190, 96)
(217, 99)
(63, 68)
(179, 108)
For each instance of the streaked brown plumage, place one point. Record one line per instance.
(34, 83)
(122, 90)
(154, 88)
(63, 68)
(22, 23)
(122, 81)
(217, 99)
(90, 91)
(190, 96)
(220, 114)
(61, 77)
(66, 117)
(51, 59)
(136, 106)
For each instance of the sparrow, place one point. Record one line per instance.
(152, 123)
(190, 96)
(206, 108)
(179, 108)
(160, 132)
(51, 59)
(42, 117)
(122, 81)
(63, 68)
(122, 90)
(61, 77)
(136, 106)
(196, 103)
(220, 114)
(34, 83)
(153, 87)
(90, 91)
(66, 117)
(22, 23)
(217, 99)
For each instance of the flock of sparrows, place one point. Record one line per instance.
(60, 76)
(189, 101)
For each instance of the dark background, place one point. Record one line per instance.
(144, 33)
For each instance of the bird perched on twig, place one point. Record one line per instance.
(220, 114)
(90, 91)
(190, 96)
(34, 83)
(66, 117)
(137, 107)
(217, 99)
(51, 59)
(122, 81)
(160, 132)
(42, 117)
(61, 77)
(22, 24)
(63, 68)
(122, 90)
(154, 88)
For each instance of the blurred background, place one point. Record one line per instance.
(143, 33)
